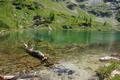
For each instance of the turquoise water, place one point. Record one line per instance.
(61, 37)
(11, 46)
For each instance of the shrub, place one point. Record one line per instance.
(3, 25)
(118, 16)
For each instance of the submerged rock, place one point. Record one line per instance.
(62, 70)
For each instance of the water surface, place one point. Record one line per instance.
(80, 49)
(62, 37)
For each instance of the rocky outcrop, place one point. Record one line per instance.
(71, 6)
(58, 0)
(80, 0)
(66, 27)
(109, 0)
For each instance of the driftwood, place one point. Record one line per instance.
(35, 53)
(19, 76)
(111, 57)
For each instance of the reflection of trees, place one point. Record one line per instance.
(101, 39)
(4, 37)
(107, 40)
(86, 37)
(43, 35)
(115, 47)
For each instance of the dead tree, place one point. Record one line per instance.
(39, 55)
(35, 53)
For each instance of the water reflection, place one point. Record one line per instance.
(97, 43)
(68, 37)
(63, 37)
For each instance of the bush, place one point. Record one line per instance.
(3, 25)
(19, 4)
(106, 71)
(52, 16)
(118, 16)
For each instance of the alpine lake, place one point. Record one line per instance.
(77, 50)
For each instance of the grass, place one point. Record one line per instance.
(106, 71)
(22, 17)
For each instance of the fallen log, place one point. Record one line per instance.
(19, 76)
(108, 58)
(35, 53)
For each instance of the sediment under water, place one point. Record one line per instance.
(73, 50)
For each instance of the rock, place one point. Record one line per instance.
(100, 76)
(62, 70)
(66, 27)
(58, 0)
(80, 0)
(70, 72)
(71, 6)
(38, 20)
(109, 0)
(115, 72)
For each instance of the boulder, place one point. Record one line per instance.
(71, 6)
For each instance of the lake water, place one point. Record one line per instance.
(76, 48)
(62, 37)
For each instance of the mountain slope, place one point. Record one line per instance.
(15, 14)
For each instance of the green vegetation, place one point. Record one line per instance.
(118, 16)
(101, 9)
(106, 71)
(15, 14)
(116, 78)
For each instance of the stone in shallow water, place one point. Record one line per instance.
(62, 70)
(70, 72)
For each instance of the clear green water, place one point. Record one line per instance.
(12, 55)
(15, 39)
(61, 37)
(70, 37)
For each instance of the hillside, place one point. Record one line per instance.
(103, 9)
(48, 14)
